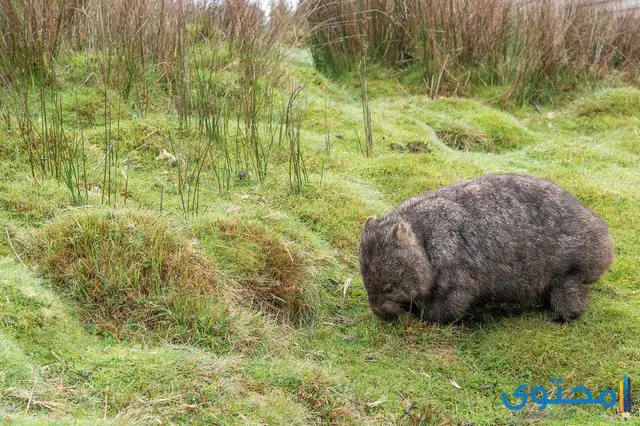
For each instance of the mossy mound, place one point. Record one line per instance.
(271, 272)
(469, 125)
(624, 101)
(130, 271)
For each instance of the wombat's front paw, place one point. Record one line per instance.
(559, 320)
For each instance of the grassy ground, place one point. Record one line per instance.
(283, 337)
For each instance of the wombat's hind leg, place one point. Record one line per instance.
(569, 299)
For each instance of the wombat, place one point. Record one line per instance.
(496, 239)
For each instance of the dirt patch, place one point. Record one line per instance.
(465, 141)
(412, 147)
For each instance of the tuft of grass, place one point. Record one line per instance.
(272, 272)
(457, 137)
(48, 358)
(130, 272)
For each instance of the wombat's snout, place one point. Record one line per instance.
(386, 311)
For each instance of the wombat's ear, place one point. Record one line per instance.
(401, 232)
(369, 223)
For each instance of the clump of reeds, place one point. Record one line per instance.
(31, 35)
(52, 151)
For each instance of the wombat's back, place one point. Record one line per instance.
(510, 234)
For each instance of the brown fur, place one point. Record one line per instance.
(495, 239)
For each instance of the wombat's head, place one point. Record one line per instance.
(394, 267)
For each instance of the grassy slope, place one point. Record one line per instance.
(341, 364)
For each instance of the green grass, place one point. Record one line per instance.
(296, 347)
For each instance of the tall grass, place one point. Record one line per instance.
(366, 113)
(294, 115)
(189, 172)
(30, 35)
(52, 151)
(530, 46)
(219, 65)
(248, 118)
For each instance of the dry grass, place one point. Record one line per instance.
(530, 46)
(30, 35)
(134, 38)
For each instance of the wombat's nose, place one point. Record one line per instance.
(384, 315)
